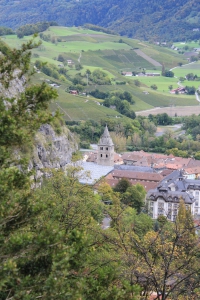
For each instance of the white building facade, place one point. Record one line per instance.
(164, 200)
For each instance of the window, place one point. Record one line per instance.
(160, 208)
(196, 211)
(106, 148)
(174, 211)
(174, 218)
(106, 155)
(151, 207)
(169, 217)
(196, 194)
(196, 203)
(101, 155)
(101, 148)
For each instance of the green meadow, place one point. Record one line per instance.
(191, 44)
(111, 54)
(65, 31)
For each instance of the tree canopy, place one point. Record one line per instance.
(52, 244)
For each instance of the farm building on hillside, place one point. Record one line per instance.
(73, 92)
(127, 74)
(180, 90)
(152, 74)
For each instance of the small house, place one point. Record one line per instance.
(73, 92)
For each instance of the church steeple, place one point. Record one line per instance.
(105, 156)
(105, 138)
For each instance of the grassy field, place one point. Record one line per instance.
(64, 31)
(161, 82)
(99, 50)
(163, 55)
(191, 44)
(186, 69)
(77, 107)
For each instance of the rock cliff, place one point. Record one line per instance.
(52, 150)
(16, 86)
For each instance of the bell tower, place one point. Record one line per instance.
(105, 156)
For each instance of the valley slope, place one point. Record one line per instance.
(147, 19)
(112, 55)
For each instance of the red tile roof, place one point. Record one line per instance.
(147, 185)
(158, 161)
(142, 176)
(194, 170)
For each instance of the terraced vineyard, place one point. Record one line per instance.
(113, 55)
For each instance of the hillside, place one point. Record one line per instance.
(147, 19)
(109, 54)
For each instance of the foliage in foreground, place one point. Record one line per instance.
(52, 245)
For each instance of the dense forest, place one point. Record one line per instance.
(157, 20)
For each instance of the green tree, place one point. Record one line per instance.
(197, 155)
(154, 87)
(137, 82)
(134, 197)
(50, 239)
(78, 67)
(165, 261)
(20, 118)
(168, 73)
(122, 185)
(190, 90)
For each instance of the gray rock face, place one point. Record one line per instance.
(16, 86)
(52, 150)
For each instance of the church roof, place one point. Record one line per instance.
(91, 172)
(105, 138)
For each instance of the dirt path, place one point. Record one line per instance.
(171, 111)
(148, 58)
(79, 59)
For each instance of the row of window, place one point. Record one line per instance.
(106, 148)
(106, 155)
(171, 211)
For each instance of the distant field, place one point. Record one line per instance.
(161, 82)
(148, 58)
(78, 107)
(188, 68)
(64, 31)
(172, 111)
(163, 55)
(99, 50)
(189, 44)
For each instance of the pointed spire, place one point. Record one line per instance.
(106, 132)
(105, 138)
